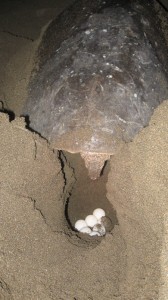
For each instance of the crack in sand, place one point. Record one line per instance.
(18, 35)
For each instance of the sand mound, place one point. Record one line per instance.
(38, 259)
(138, 189)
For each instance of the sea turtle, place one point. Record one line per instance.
(102, 71)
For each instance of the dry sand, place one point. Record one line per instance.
(138, 189)
(41, 257)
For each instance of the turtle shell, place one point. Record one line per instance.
(100, 85)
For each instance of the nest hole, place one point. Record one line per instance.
(85, 196)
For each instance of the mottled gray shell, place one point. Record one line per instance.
(101, 85)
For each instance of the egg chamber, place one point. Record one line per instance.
(85, 194)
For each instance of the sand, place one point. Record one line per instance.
(43, 192)
(138, 189)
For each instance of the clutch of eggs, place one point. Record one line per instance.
(92, 224)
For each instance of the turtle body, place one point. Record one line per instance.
(101, 79)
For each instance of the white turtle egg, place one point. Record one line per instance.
(80, 224)
(99, 213)
(94, 233)
(91, 220)
(85, 230)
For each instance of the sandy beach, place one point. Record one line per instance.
(43, 192)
